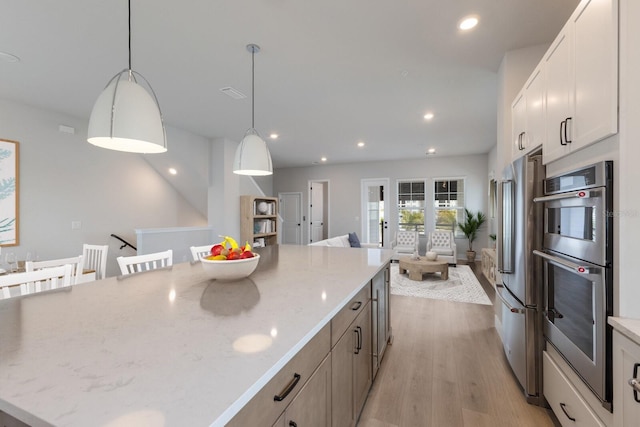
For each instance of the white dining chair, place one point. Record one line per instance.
(18, 284)
(198, 252)
(95, 258)
(139, 263)
(75, 262)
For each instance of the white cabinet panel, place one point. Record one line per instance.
(626, 354)
(565, 401)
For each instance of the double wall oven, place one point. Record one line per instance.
(578, 274)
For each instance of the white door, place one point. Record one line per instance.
(291, 212)
(375, 211)
(318, 196)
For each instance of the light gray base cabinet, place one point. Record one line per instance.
(327, 383)
(312, 406)
(352, 370)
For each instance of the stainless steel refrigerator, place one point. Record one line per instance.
(520, 233)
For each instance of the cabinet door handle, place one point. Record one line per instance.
(566, 125)
(563, 132)
(563, 407)
(356, 305)
(635, 384)
(358, 344)
(288, 389)
(520, 140)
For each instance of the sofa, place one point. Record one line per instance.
(344, 241)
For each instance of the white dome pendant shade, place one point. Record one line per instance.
(252, 156)
(126, 117)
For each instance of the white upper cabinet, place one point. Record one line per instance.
(527, 115)
(559, 96)
(581, 80)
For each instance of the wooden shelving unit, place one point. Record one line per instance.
(259, 220)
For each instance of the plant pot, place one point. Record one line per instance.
(471, 256)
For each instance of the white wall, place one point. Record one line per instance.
(63, 179)
(345, 186)
(628, 215)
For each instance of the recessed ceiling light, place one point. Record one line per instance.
(431, 151)
(173, 171)
(7, 57)
(468, 23)
(323, 159)
(428, 116)
(274, 136)
(360, 144)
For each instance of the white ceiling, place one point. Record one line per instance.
(330, 73)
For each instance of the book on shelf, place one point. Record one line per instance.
(264, 226)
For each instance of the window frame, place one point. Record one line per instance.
(421, 228)
(457, 233)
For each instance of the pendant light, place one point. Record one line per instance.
(252, 155)
(126, 116)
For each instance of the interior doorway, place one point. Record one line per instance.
(291, 213)
(375, 211)
(318, 210)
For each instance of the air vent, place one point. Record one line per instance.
(233, 93)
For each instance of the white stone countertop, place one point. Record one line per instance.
(169, 347)
(627, 326)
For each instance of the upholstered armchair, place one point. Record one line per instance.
(405, 243)
(443, 243)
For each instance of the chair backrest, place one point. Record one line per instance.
(95, 258)
(198, 252)
(75, 262)
(406, 238)
(441, 239)
(138, 263)
(35, 281)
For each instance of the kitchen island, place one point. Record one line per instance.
(170, 347)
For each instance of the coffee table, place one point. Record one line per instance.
(417, 267)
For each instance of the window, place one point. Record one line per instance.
(411, 206)
(448, 201)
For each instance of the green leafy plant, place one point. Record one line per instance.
(471, 225)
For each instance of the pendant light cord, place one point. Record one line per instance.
(253, 54)
(129, 34)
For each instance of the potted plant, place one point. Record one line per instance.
(470, 226)
(493, 240)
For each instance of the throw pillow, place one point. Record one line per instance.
(353, 240)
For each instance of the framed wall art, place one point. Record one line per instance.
(9, 192)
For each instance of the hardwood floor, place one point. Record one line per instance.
(446, 368)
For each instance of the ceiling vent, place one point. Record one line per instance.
(233, 93)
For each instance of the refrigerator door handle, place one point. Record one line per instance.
(504, 301)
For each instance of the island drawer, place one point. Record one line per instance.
(271, 401)
(349, 312)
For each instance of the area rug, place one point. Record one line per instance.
(462, 286)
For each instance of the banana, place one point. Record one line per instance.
(230, 240)
(247, 246)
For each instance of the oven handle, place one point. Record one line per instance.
(563, 263)
(504, 301)
(580, 194)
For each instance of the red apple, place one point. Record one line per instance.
(216, 249)
(246, 254)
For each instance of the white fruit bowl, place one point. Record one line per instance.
(230, 269)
